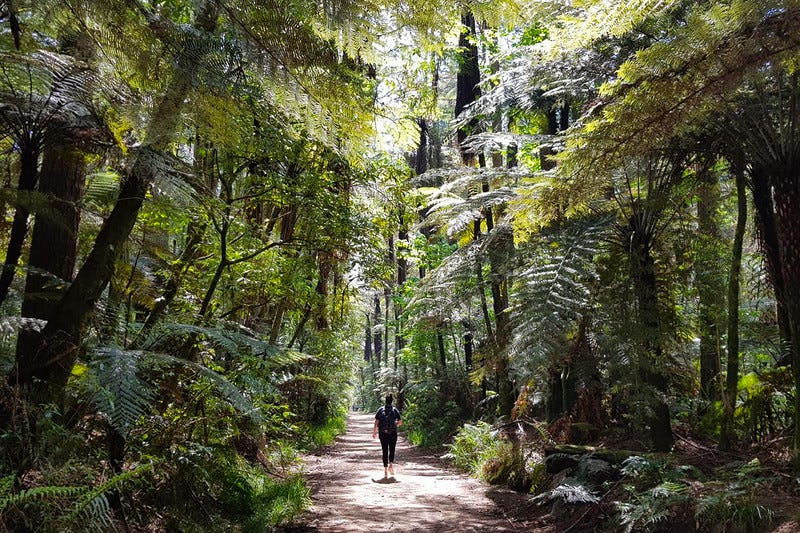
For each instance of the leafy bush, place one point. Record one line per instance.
(471, 446)
(483, 452)
(259, 501)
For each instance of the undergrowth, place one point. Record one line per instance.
(485, 453)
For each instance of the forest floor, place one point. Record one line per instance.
(350, 494)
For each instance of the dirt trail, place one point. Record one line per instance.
(350, 494)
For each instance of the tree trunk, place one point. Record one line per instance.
(442, 351)
(28, 176)
(768, 237)
(727, 432)
(710, 286)
(377, 338)
(421, 157)
(368, 341)
(650, 363)
(53, 242)
(468, 78)
(787, 198)
(468, 350)
(500, 258)
(324, 267)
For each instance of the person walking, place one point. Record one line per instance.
(387, 420)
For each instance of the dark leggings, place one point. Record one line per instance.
(388, 442)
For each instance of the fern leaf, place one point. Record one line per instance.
(94, 504)
(121, 395)
(40, 494)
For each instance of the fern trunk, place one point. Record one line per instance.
(53, 242)
(768, 236)
(650, 362)
(500, 258)
(786, 184)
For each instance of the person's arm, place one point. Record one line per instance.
(375, 429)
(399, 421)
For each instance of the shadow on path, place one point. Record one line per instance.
(350, 494)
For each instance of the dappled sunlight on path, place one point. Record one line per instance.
(350, 493)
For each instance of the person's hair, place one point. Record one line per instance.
(389, 399)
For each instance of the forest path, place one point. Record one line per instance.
(350, 494)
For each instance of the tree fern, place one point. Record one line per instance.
(554, 288)
(123, 396)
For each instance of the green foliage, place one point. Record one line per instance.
(736, 503)
(59, 508)
(554, 290)
(653, 509)
(325, 434)
(261, 501)
(484, 452)
(429, 421)
(472, 446)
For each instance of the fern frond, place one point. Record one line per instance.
(555, 288)
(455, 213)
(10, 325)
(121, 395)
(569, 494)
(94, 506)
(39, 495)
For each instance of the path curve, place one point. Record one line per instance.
(349, 493)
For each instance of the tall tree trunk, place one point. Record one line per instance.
(468, 79)
(500, 259)
(54, 243)
(421, 158)
(710, 286)
(442, 351)
(727, 433)
(324, 267)
(368, 341)
(378, 337)
(28, 176)
(402, 276)
(468, 348)
(787, 198)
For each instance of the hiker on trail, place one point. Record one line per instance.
(387, 420)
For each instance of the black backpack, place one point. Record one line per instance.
(386, 420)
